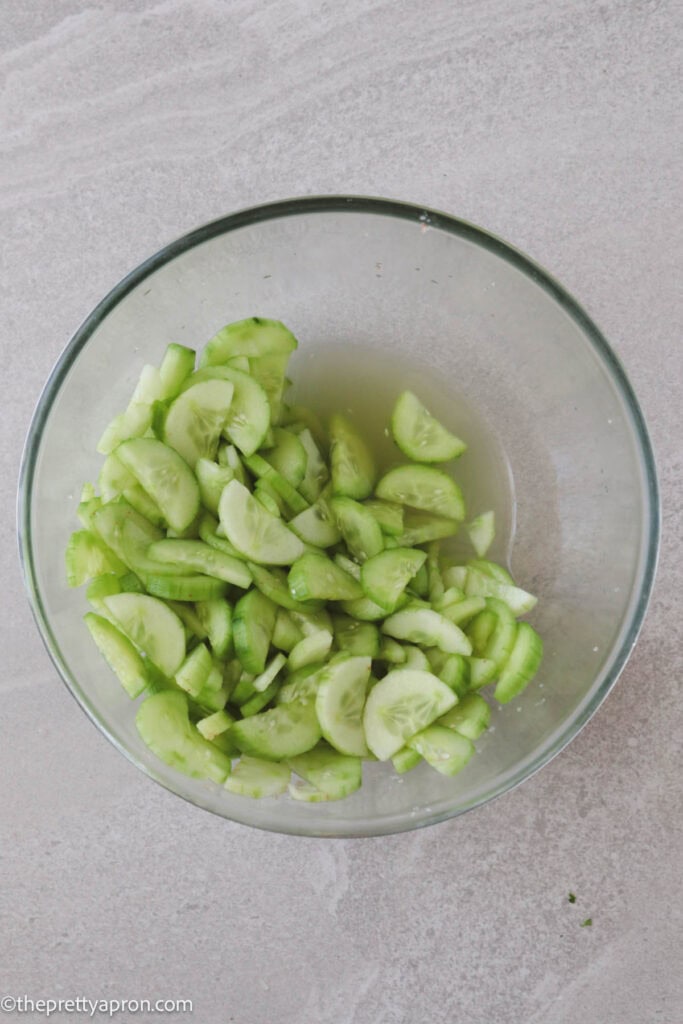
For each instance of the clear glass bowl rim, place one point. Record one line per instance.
(388, 208)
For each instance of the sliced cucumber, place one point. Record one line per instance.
(460, 612)
(262, 682)
(339, 703)
(248, 418)
(424, 488)
(196, 418)
(176, 367)
(202, 558)
(260, 700)
(428, 629)
(422, 527)
(101, 587)
(288, 456)
(187, 615)
(356, 638)
(283, 732)
(125, 532)
(317, 474)
(258, 535)
(269, 371)
(482, 671)
(348, 565)
(522, 665)
(256, 778)
(87, 556)
(215, 725)
(310, 650)
(415, 658)
(317, 525)
(388, 515)
(137, 418)
(331, 773)
(302, 685)
(359, 528)
(273, 583)
(269, 498)
(286, 634)
(185, 588)
(152, 626)
(492, 569)
(385, 577)
(518, 600)
(353, 468)
(212, 478)
(208, 531)
(399, 706)
(420, 436)
(257, 465)
(501, 641)
(164, 724)
(115, 479)
(444, 749)
(216, 618)
(254, 337)
(405, 760)
(318, 577)
(363, 609)
(298, 417)
(120, 654)
(454, 671)
(252, 630)
(194, 672)
(470, 717)
(482, 531)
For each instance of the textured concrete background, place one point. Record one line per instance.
(557, 125)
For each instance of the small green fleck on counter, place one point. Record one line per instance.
(571, 897)
(587, 923)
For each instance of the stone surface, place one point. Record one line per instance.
(558, 126)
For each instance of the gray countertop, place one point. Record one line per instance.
(556, 125)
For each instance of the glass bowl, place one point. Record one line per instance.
(384, 295)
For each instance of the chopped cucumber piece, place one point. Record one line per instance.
(331, 773)
(356, 638)
(482, 531)
(176, 367)
(302, 685)
(424, 488)
(152, 626)
(288, 456)
(405, 760)
(359, 528)
(521, 665)
(264, 680)
(391, 652)
(297, 417)
(482, 671)
(273, 583)
(196, 418)
(399, 706)
(312, 620)
(348, 565)
(270, 500)
(101, 587)
(286, 634)
(269, 371)
(212, 478)
(120, 654)
(421, 527)
(444, 749)
(260, 700)
(137, 418)
(461, 612)
(200, 557)
(215, 725)
(258, 535)
(385, 577)
(254, 337)
(87, 556)
(492, 569)
(164, 724)
(283, 732)
(420, 582)
(339, 703)
(316, 576)
(216, 618)
(311, 649)
(388, 515)
(185, 588)
(257, 465)
(317, 525)
(208, 531)
(454, 671)
(518, 600)
(427, 628)
(436, 584)
(470, 717)
(363, 609)
(252, 630)
(194, 672)
(306, 793)
(116, 480)
(500, 642)
(126, 532)
(187, 615)
(317, 473)
(353, 468)
(420, 436)
(415, 658)
(256, 778)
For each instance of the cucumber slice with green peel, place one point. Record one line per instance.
(254, 337)
(353, 468)
(258, 779)
(137, 418)
(131, 584)
(348, 565)
(229, 456)
(415, 658)
(455, 576)
(215, 725)
(125, 531)
(273, 583)
(402, 704)
(470, 717)
(424, 488)
(522, 664)
(87, 509)
(252, 630)
(331, 773)
(428, 629)
(258, 535)
(301, 686)
(153, 628)
(385, 577)
(317, 525)
(200, 557)
(387, 514)
(363, 609)
(482, 531)
(405, 760)
(422, 527)
(272, 669)
(304, 792)
(216, 618)
(444, 749)
(391, 652)
(455, 673)
(419, 435)
(176, 367)
(318, 577)
(119, 653)
(283, 732)
(270, 372)
(244, 689)
(286, 634)
(356, 638)
(164, 724)
(188, 616)
(116, 479)
(482, 672)
(492, 569)
(212, 478)
(420, 582)
(453, 595)
(269, 499)
(185, 588)
(262, 469)
(502, 638)
(519, 601)
(339, 704)
(208, 528)
(239, 363)
(196, 418)
(317, 473)
(359, 528)
(310, 650)
(461, 612)
(260, 700)
(436, 584)
(101, 587)
(288, 456)
(312, 620)
(194, 672)
(298, 417)
(87, 556)
(480, 630)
